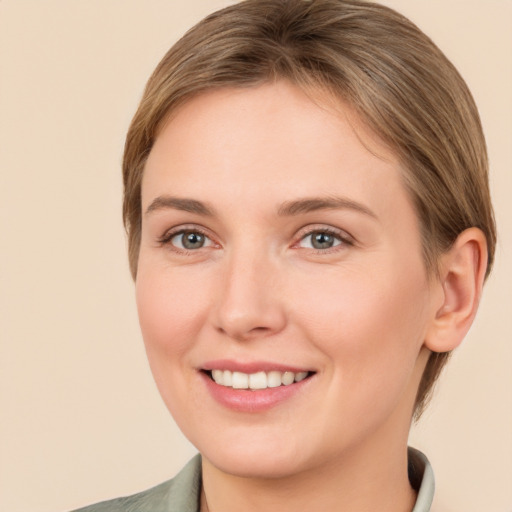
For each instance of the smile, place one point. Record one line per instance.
(256, 381)
(254, 386)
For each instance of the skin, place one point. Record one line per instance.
(358, 314)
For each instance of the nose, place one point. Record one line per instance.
(250, 301)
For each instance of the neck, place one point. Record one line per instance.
(364, 482)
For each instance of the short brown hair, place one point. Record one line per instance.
(400, 84)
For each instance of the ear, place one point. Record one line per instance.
(461, 277)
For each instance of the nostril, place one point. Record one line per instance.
(259, 329)
(238, 333)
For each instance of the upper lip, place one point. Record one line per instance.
(251, 366)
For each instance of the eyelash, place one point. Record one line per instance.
(166, 238)
(344, 238)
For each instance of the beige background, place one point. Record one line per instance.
(80, 417)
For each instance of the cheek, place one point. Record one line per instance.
(373, 329)
(371, 324)
(171, 306)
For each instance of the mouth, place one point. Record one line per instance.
(254, 387)
(258, 380)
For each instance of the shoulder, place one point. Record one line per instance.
(180, 494)
(154, 498)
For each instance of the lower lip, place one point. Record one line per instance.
(246, 400)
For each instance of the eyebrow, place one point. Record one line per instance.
(287, 209)
(178, 203)
(311, 204)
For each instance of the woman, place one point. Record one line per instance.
(309, 228)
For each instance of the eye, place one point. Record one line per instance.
(189, 240)
(322, 240)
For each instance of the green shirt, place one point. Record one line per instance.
(182, 493)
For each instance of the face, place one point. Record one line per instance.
(281, 290)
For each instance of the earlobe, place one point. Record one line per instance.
(461, 277)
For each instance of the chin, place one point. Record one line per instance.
(262, 467)
(255, 458)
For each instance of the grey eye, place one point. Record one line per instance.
(189, 240)
(320, 240)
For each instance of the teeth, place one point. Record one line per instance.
(227, 377)
(240, 380)
(287, 378)
(259, 380)
(300, 376)
(273, 379)
(217, 375)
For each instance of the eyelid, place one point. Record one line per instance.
(168, 235)
(346, 238)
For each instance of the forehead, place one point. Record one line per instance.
(247, 152)
(267, 144)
